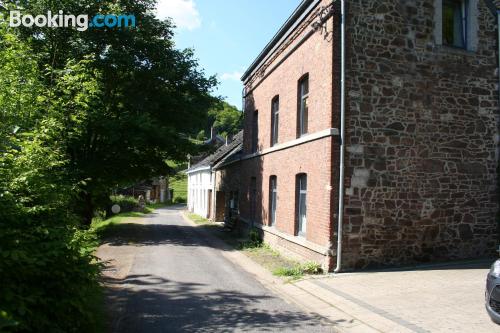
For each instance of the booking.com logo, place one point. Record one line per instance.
(80, 22)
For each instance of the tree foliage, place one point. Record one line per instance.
(132, 101)
(46, 281)
(226, 119)
(80, 113)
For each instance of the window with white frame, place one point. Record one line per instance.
(273, 199)
(456, 23)
(303, 106)
(275, 117)
(301, 202)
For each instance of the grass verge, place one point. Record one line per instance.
(259, 252)
(178, 183)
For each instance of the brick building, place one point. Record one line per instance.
(420, 136)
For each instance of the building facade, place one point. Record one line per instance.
(202, 178)
(421, 133)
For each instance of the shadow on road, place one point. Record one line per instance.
(481, 263)
(148, 303)
(136, 234)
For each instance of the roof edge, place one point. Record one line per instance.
(297, 13)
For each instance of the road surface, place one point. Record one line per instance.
(163, 275)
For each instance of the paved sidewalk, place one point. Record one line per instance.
(446, 298)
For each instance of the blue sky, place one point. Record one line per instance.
(227, 35)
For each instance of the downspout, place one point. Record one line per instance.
(342, 136)
(498, 45)
(214, 197)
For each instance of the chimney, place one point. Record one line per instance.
(213, 133)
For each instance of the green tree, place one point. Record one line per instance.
(146, 99)
(226, 119)
(46, 280)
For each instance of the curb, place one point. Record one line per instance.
(307, 296)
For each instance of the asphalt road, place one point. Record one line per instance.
(163, 275)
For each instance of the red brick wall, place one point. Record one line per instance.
(314, 158)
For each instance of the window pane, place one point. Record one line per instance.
(302, 114)
(302, 203)
(272, 199)
(276, 127)
(302, 213)
(275, 121)
(304, 108)
(304, 85)
(453, 23)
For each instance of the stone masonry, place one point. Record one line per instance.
(422, 137)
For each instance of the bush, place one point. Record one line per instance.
(254, 240)
(179, 200)
(48, 283)
(126, 203)
(299, 270)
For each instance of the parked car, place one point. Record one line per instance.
(493, 292)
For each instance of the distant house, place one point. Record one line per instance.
(227, 184)
(201, 177)
(409, 174)
(152, 190)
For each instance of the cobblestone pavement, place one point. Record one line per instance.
(440, 298)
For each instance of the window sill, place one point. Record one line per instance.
(455, 50)
(299, 240)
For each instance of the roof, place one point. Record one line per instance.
(219, 154)
(234, 156)
(292, 21)
(282, 33)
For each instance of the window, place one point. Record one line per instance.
(301, 204)
(253, 199)
(273, 199)
(255, 131)
(234, 201)
(275, 116)
(303, 107)
(455, 23)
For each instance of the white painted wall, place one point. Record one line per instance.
(199, 184)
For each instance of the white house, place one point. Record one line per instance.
(201, 200)
(200, 190)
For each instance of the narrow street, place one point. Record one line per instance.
(162, 275)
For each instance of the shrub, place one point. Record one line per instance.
(126, 203)
(299, 270)
(179, 200)
(254, 240)
(48, 283)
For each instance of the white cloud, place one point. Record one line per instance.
(235, 76)
(183, 12)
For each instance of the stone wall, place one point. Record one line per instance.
(422, 138)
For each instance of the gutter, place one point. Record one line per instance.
(342, 138)
(198, 169)
(292, 21)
